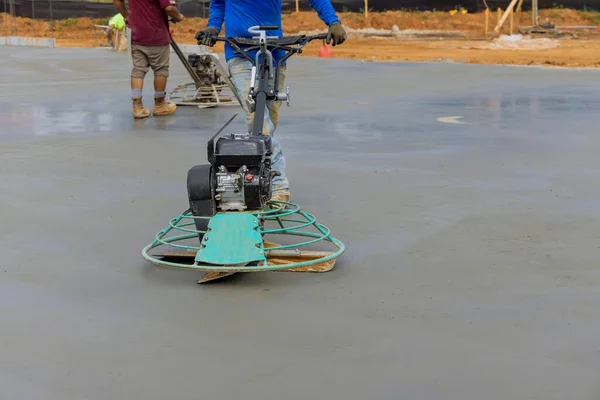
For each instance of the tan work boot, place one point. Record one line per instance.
(162, 107)
(280, 195)
(138, 109)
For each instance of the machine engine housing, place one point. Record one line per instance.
(243, 172)
(238, 177)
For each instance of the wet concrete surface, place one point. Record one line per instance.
(471, 268)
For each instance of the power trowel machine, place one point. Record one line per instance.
(211, 86)
(231, 215)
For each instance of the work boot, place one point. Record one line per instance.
(280, 195)
(138, 109)
(162, 107)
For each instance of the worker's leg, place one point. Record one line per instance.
(274, 106)
(121, 40)
(281, 184)
(138, 72)
(241, 72)
(159, 61)
(109, 35)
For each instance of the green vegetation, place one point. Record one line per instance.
(591, 15)
(70, 22)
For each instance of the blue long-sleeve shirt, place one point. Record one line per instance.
(239, 15)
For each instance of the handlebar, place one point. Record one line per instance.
(266, 44)
(285, 42)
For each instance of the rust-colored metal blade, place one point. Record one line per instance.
(214, 275)
(274, 257)
(320, 267)
(282, 257)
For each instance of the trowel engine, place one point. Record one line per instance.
(242, 168)
(206, 69)
(238, 178)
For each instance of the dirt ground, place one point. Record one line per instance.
(457, 38)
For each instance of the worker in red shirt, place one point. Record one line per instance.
(150, 48)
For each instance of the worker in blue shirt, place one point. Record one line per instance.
(238, 16)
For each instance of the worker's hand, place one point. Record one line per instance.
(177, 19)
(208, 36)
(337, 33)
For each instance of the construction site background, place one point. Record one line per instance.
(454, 36)
(62, 9)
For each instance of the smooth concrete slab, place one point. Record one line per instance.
(472, 266)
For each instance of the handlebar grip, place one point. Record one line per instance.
(268, 28)
(321, 36)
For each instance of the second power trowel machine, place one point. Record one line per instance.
(231, 215)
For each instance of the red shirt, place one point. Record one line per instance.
(148, 22)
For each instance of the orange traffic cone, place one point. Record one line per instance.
(325, 51)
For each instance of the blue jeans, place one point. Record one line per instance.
(240, 70)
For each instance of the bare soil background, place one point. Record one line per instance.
(457, 38)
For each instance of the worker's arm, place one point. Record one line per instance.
(174, 14)
(326, 12)
(120, 6)
(171, 10)
(208, 36)
(217, 14)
